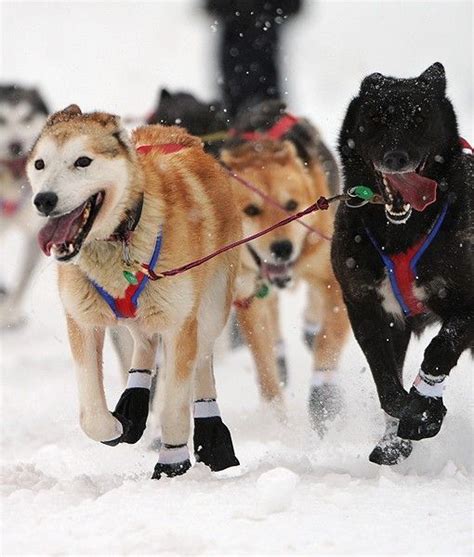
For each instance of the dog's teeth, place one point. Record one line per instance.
(385, 183)
(70, 248)
(406, 207)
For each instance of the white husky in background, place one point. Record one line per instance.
(22, 116)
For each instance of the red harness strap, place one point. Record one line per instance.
(125, 306)
(404, 275)
(277, 131)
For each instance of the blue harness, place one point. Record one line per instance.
(401, 267)
(126, 306)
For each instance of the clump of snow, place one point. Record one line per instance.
(275, 490)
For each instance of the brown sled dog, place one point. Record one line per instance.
(287, 253)
(116, 204)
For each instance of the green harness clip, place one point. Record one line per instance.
(130, 277)
(262, 290)
(362, 192)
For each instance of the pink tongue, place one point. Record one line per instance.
(58, 230)
(416, 190)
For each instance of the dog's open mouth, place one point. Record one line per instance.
(278, 274)
(405, 191)
(63, 236)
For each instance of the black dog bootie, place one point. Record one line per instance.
(212, 440)
(422, 417)
(132, 407)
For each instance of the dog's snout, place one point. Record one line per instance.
(16, 148)
(396, 161)
(282, 249)
(45, 202)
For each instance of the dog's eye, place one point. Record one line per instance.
(82, 162)
(27, 119)
(419, 119)
(291, 205)
(252, 210)
(39, 164)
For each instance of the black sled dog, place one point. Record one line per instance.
(407, 262)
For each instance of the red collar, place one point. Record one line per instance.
(277, 131)
(165, 148)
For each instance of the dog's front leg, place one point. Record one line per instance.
(11, 307)
(375, 335)
(425, 411)
(180, 353)
(259, 332)
(212, 439)
(86, 345)
(325, 398)
(133, 405)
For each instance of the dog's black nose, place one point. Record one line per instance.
(16, 148)
(396, 160)
(46, 202)
(282, 250)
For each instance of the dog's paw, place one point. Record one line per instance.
(391, 450)
(104, 428)
(308, 338)
(173, 461)
(213, 444)
(324, 404)
(282, 370)
(132, 412)
(422, 417)
(171, 470)
(394, 402)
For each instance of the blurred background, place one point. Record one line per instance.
(115, 55)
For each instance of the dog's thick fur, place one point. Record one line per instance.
(414, 117)
(185, 193)
(23, 113)
(276, 168)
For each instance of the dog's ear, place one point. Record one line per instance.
(435, 78)
(65, 115)
(287, 152)
(164, 94)
(73, 110)
(371, 81)
(38, 101)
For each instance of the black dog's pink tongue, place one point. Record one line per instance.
(416, 190)
(58, 230)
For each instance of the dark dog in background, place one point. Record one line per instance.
(23, 113)
(206, 120)
(407, 262)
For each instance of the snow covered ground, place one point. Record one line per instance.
(293, 493)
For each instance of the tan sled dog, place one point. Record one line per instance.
(290, 252)
(116, 204)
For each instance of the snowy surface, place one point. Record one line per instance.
(293, 493)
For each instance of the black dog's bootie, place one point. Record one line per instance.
(391, 449)
(422, 417)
